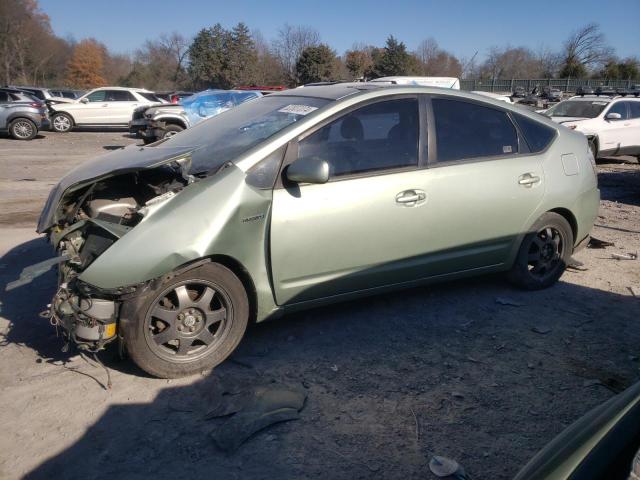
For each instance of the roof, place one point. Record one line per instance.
(124, 88)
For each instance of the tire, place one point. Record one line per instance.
(61, 123)
(171, 130)
(593, 146)
(544, 253)
(207, 311)
(23, 129)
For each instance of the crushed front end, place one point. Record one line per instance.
(87, 222)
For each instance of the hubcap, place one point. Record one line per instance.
(23, 129)
(61, 123)
(545, 252)
(187, 321)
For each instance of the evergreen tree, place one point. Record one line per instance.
(393, 60)
(316, 64)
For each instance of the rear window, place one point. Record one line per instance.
(468, 130)
(537, 135)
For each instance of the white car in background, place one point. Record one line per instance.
(611, 124)
(105, 106)
(442, 82)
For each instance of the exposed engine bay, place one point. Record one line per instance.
(88, 221)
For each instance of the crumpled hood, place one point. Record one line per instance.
(121, 161)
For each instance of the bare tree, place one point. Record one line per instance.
(177, 46)
(509, 62)
(427, 50)
(289, 45)
(587, 46)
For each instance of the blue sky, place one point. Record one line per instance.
(460, 26)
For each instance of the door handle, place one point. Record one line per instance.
(410, 198)
(528, 180)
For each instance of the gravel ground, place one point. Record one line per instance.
(389, 380)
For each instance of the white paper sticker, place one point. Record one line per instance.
(298, 109)
(598, 103)
(506, 149)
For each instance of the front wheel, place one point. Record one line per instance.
(171, 130)
(191, 322)
(61, 123)
(544, 253)
(23, 129)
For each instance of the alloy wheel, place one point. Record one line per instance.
(545, 252)
(23, 129)
(188, 320)
(61, 123)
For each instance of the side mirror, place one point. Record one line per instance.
(84, 100)
(613, 116)
(308, 170)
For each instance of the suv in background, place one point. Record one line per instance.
(105, 106)
(162, 121)
(65, 93)
(21, 114)
(611, 124)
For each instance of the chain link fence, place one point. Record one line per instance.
(569, 85)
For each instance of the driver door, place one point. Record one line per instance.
(364, 227)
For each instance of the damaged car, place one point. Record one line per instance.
(161, 121)
(302, 198)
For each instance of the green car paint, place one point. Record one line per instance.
(323, 242)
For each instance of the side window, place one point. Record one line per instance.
(380, 136)
(119, 96)
(635, 109)
(4, 97)
(537, 135)
(619, 107)
(98, 96)
(468, 130)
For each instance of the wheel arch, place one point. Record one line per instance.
(570, 218)
(174, 121)
(238, 270)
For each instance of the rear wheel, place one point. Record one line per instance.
(23, 129)
(544, 253)
(61, 123)
(189, 323)
(593, 146)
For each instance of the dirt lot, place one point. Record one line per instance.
(478, 378)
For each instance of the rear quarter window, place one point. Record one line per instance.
(537, 135)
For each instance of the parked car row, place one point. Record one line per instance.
(21, 114)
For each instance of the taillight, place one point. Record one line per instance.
(174, 99)
(36, 105)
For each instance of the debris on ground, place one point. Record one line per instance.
(446, 467)
(509, 302)
(254, 411)
(623, 256)
(597, 243)
(574, 264)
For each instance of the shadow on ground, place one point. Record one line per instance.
(390, 380)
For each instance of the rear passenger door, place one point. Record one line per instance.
(483, 186)
(632, 146)
(120, 106)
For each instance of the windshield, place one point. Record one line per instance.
(577, 109)
(226, 136)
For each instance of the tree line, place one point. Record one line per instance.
(31, 53)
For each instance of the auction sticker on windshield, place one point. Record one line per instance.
(298, 109)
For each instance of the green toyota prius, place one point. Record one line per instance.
(304, 197)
